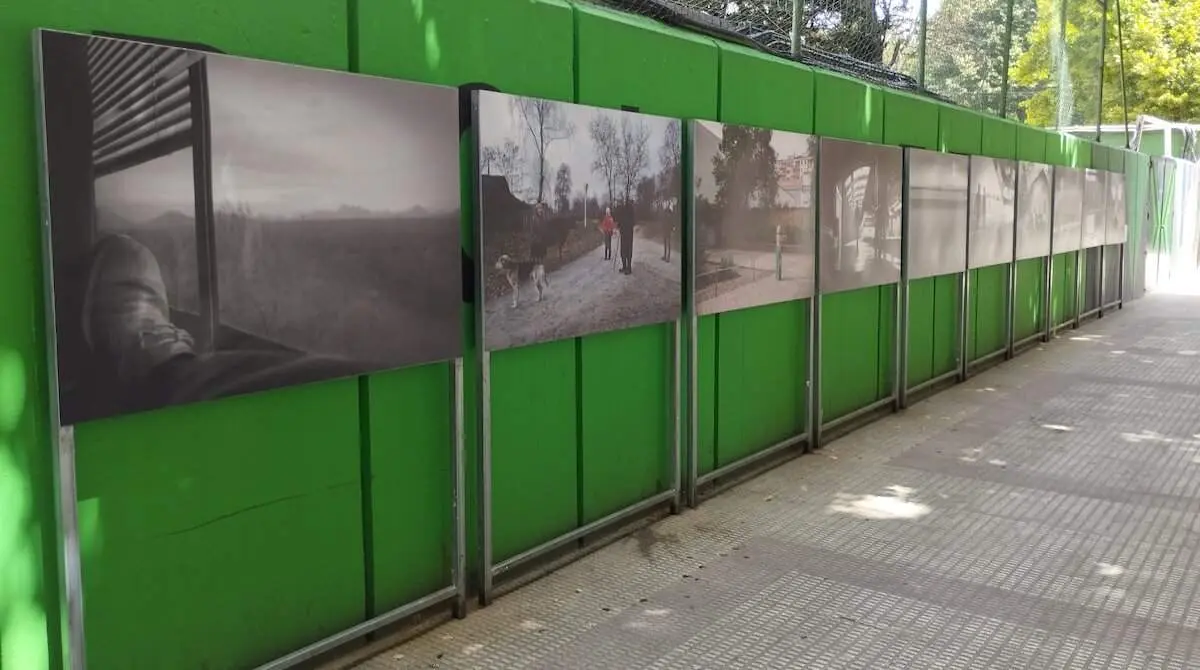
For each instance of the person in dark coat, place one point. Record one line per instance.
(626, 223)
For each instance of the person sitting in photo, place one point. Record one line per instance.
(127, 324)
(607, 226)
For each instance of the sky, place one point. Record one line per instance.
(499, 122)
(288, 140)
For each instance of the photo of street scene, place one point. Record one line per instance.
(222, 225)
(937, 213)
(1068, 209)
(1034, 204)
(1095, 208)
(1117, 229)
(579, 218)
(754, 214)
(860, 214)
(992, 211)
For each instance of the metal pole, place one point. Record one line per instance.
(483, 386)
(677, 418)
(459, 569)
(206, 235)
(1008, 27)
(1011, 300)
(693, 441)
(1103, 47)
(814, 318)
(902, 289)
(1121, 61)
(1048, 270)
(797, 25)
(964, 290)
(922, 30)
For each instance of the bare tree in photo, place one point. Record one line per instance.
(635, 154)
(545, 122)
(504, 161)
(669, 156)
(606, 140)
(562, 188)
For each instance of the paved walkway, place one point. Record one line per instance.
(1042, 515)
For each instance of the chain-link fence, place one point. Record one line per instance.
(1050, 63)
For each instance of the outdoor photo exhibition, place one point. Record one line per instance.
(993, 211)
(223, 225)
(755, 212)
(937, 213)
(579, 218)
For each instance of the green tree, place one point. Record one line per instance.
(1161, 53)
(744, 169)
(964, 52)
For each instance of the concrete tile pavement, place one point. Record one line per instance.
(1042, 515)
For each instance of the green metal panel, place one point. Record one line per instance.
(762, 353)
(909, 121)
(945, 323)
(677, 76)
(1062, 289)
(523, 48)
(922, 297)
(989, 285)
(1031, 143)
(999, 138)
(763, 363)
(1027, 301)
(960, 131)
(847, 108)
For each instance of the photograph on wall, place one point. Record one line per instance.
(1035, 200)
(580, 219)
(755, 215)
(222, 225)
(1095, 208)
(1068, 209)
(1116, 229)
(860, 214)
(937, 213)
(992, 211)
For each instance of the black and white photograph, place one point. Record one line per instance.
(1068, 209)
(860, 189)
(937, 213)
(1095, 208)
(1116, 229)
(221, 225)
(580, 219)
(1035, 201)
(755, 216)
(992, 211)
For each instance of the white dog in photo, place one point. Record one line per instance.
(518, 271)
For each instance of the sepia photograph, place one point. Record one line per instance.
(755, 216)
(1116, 229)
(222, 225)
(579, 217)
(937, 213)
(860, 214)
(992, 211)
(1095, 208)
(1035, 201)
(1068, 209)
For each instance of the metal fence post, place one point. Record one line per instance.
(1100, 88)
(921, 39)
(1005, 62)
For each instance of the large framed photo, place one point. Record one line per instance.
(1035, 202)
(993, 211)
(937, 213)
(754, 212)
(223, 225)
(1068, 209)
(579, 219)
(860, 214)
(1095, 208)
(1116, 229)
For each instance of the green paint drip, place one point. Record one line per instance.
(433, 49)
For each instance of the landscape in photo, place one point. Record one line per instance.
(1034, 204)
(992, 211)
(1095, 208)
(937, 213)
(754, 213)
(1068, 209)
(580, 219)
(860, 214)
(306, 229)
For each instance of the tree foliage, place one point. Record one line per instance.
(744, 168)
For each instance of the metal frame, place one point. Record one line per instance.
(964, 296)
(1048, 270)
(815, 409)
(489, 569)
(902, 389)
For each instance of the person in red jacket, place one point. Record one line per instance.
(607, 226)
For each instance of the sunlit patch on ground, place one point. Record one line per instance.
(894, 506)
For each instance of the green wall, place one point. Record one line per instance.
(269, 521)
